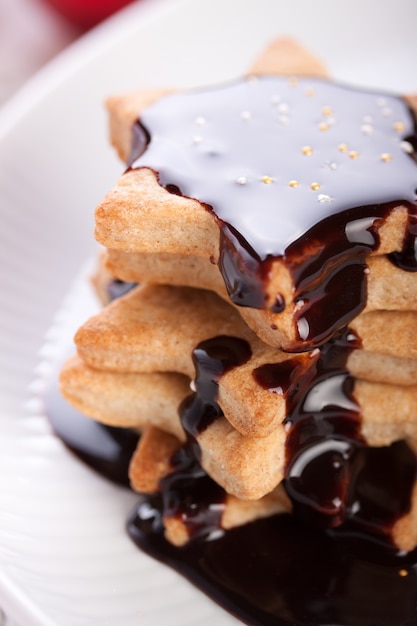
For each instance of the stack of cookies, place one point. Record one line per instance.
(261, 245)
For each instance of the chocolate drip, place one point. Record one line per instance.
(243, 272)
(191, 496)
(331, 475)
(407, 258)
(188, 493)
(332, 164)
(277, 377)
(331, 280)
(211, 358)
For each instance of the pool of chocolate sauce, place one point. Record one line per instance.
(272, 572)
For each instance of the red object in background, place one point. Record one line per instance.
(87, 13)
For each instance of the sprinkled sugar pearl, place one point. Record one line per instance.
(386, 157)
(406, 147)
(367, 129)
(322, 197)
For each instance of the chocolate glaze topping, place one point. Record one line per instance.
(333, 162)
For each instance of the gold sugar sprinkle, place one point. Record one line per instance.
(293, 183)
(323, 126)
(310, 92)
(315, 186)
(342, 147)
(386, 157)
(399, 126)
(402, 572)
(267, 180)
(353, 154)
(327, 111)
(293, 81)
(307, 150)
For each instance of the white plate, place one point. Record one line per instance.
(64, 556)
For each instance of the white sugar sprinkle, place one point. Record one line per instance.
(330, 165)
(367, 129)
(246, 115)
(322, 197)
(200, 121)
(241, 180)
(407, 147)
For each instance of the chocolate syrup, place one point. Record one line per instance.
(272, 572)
(329, 467)
(211, 359)
(278, 572)
(333, 162)
(193, 497)
(105, 449)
